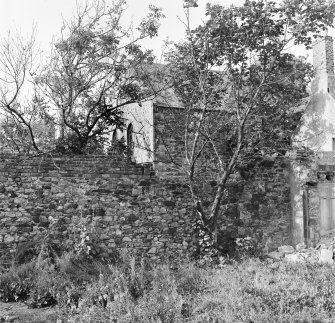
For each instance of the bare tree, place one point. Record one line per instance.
(18, 100)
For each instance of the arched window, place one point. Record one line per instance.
(114, 136)
(130, 138)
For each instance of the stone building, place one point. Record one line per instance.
(258, 206)
(308, 171)
(144, 204)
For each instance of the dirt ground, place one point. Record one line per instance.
(20, 313)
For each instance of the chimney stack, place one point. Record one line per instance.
(323, 55)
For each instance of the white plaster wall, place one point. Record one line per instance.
(318, 124)
(316, 131)
(141, 117)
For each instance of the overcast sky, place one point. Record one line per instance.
(47, 15)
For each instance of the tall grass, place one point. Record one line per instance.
(250, 291)
(86, 290)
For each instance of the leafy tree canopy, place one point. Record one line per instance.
(96, 67)
(240, 85)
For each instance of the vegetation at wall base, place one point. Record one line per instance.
(83, 289)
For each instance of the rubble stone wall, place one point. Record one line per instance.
(323, 55)
(257, 201)
(264, 207)
(122, 204)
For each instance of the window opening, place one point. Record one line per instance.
(114, 136)
(130, 138)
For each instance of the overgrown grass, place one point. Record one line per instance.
(86, 290)
(250, 291)
(254, 291)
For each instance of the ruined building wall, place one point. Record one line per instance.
(264, 207)
(323, 55)
(316, 134)
(169, 134)
(312, 188)
(144, 207)
(303, 187)
(317, 128)
(257, 202)
(141, 118)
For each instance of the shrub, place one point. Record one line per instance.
(80, 268)
(17, 282)
(25, 252)
(41, 245)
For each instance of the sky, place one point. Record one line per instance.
(47, 16)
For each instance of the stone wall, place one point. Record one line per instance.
(122, 204)
(312, 215)
(312, 185)
(169, 138)
(257, 201)
(304, 198)
(119, 203)
(323, 55)
(264, 207)
(169, 145)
